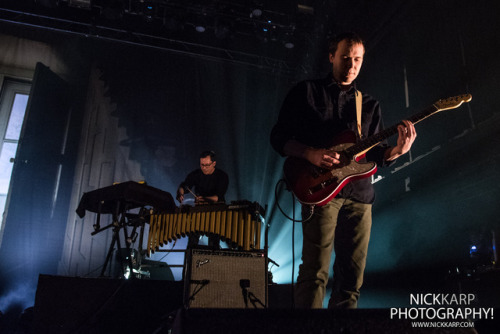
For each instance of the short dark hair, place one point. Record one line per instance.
(210, 154)
(350, 37)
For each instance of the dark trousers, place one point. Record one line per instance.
(344, 226)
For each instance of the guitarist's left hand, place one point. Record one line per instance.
(407, 135)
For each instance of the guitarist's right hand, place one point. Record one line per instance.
(320, 157)
(324, 158)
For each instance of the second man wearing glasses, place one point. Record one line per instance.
(208, 185)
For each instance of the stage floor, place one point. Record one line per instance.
(99, 305)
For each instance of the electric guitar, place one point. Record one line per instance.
(314, 185)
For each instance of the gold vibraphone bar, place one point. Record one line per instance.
(239, 224)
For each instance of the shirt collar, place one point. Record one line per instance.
(333, 82)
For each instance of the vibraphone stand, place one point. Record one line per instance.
(118, 222)
(117, 199)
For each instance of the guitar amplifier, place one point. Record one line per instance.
(225, 279)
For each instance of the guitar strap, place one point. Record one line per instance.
(359, 101)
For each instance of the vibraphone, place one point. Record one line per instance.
(239, 224)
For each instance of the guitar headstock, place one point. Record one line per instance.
(452, 102)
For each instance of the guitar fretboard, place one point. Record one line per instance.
(373, 140)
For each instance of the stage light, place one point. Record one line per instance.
(268, 32)
(149, 11)
(257, 12)
(305, 9)
(473, 250)
(200, 25)
(288, 41)
(256, 9)
(201, 22)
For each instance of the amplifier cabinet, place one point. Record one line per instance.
(225, 279)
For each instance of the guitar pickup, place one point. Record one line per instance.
(316, 188)
(322, 185)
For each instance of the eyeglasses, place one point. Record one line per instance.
(207, 165)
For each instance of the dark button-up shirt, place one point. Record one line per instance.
(316, 111)
(207, 185)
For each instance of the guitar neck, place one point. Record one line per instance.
(366, 144)
(375, 139)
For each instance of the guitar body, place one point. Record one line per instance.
(317, 186)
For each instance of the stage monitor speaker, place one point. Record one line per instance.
(225, 279)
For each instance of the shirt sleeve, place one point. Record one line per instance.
(288, 123)
(189, 182)
(377, 154)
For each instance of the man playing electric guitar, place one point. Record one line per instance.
(313, 114)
